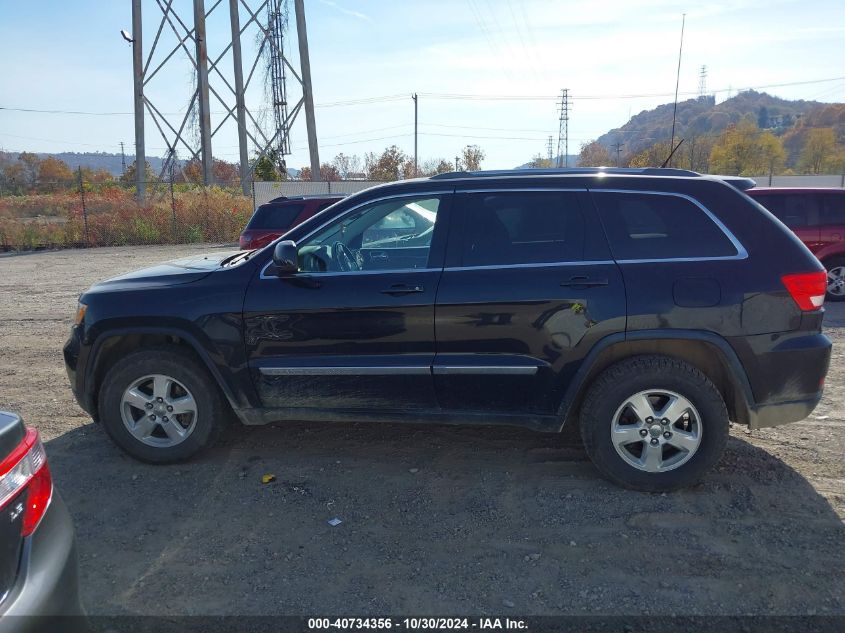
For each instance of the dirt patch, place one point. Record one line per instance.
(435, 519)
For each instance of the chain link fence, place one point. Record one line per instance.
(110, 215)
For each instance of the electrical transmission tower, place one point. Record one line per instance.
(551, 151)
(563, 130)
(702, 82)
(265, 23)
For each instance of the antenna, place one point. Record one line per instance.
(672, 153)
(677, 82)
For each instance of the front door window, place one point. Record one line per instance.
(390, 234)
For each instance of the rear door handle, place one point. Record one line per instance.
(402, 289)
(582, 281)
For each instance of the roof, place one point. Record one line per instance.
(739, 182)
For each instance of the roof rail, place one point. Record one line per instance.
(639, 171)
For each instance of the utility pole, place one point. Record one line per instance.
(618, 147)
(563, 130)
(138, 76)
(240, 105)
(416, 171)
(122, 158)
(307, 93)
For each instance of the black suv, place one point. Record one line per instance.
(648, 306)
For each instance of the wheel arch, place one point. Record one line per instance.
(113, 344)
(708, 352)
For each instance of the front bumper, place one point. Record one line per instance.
(47, 585)
(72, 352)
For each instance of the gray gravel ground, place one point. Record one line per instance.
(436, 520)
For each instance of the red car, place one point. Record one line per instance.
(278, 216)
(817, 217)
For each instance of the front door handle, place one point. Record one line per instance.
(582, 281)
(402, 289)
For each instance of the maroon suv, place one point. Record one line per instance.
(817, 217)
(278, 216)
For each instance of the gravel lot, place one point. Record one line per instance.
(436, 520)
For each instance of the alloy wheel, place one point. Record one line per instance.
(158, 410)
(656, 430)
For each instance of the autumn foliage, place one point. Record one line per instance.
(115, 218)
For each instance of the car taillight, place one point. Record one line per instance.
(807, 289)
(26, 468)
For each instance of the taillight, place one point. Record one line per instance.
(807, 289)
(26, 468)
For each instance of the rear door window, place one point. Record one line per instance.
(645, 226)
(502, 228)
(275, 216)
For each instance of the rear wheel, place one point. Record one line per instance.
(835, 278)
(161, 405)
(653, 423)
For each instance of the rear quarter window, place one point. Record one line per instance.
(275, 216)
(645, 226)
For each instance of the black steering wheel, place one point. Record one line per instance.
(344, 257)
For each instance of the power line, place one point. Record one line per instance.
(459, 96)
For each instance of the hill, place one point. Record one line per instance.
(703, 116)
(94, 160)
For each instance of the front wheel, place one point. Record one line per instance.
(653, 423)
(161, 405)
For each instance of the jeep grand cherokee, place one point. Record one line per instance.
(647, 306)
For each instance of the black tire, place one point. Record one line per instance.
(621, 381)
(211, 410)
(829, 264)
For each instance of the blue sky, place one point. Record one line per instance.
(69, 56)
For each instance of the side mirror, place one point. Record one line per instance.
(286, 257)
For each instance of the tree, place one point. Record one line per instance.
(820, 151)
(539, 162)
(386, 167)
(12, 177)
(772, 153)
(129, 176)
(269, 167)
(226, 173)
(763, 117)
(29, 163)
(471, 157)
(743, 150)
(593, 154)
(435, 166)
(346, 165)
(96, 176)
(52, 171)
(328, 172)
(652, 156)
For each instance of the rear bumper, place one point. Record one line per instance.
(47, 583)
(779, 413)
(787, 373)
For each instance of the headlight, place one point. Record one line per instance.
(80, 312)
